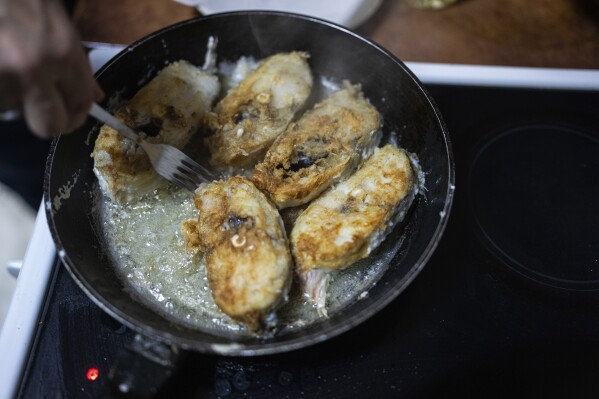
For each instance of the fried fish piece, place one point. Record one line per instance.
(169, 109)
(249, 118)
(323, 147)
(245, 249)
(349, 221)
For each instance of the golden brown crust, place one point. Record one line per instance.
(128, 161)
(254, 113)
(121, 166)
(301, 166)
(245, 248)
(347, 222)
(169, 109)
(324, 146)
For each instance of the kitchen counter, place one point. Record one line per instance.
(537, 33)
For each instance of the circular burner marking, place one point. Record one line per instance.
(534, 195)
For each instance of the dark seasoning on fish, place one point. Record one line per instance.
(223, 259)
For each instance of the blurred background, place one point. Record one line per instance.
(546, 33)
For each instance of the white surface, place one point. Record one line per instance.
(500, 76)
(22, 318)
(16, 225)
(101, 54)
(468, 75)
(350, 13)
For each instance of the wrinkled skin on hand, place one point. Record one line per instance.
(43, 68)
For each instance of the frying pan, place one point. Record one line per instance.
(408, 112)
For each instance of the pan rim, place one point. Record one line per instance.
(329, 329)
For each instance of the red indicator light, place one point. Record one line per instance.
(92, 374)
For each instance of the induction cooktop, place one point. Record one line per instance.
(507, 305)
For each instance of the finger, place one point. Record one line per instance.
(44, 111)
(98, 92)
(77, 118)
(68, 63)
(77, 88)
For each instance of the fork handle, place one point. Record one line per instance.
(104, 116)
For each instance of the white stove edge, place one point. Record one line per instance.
(503, 76)
(454, 74)
(18, 332)
(21, 321)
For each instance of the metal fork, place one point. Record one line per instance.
(168, 161)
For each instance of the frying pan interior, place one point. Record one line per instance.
(336, 53)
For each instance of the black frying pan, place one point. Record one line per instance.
(406, 107)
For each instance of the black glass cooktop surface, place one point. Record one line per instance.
(507, 305)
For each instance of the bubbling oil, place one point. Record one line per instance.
(148, 252)
(147, 249)
(149, 255)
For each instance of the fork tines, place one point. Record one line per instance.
(190, 175)
(175, 166)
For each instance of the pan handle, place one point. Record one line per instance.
(143, 368)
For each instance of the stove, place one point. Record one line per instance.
(507, 305)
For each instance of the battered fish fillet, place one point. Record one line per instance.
(255, 112)
(169, 109)
(349, 221)
(245, 249)
(323, 147)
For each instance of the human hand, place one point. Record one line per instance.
(43, 68)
